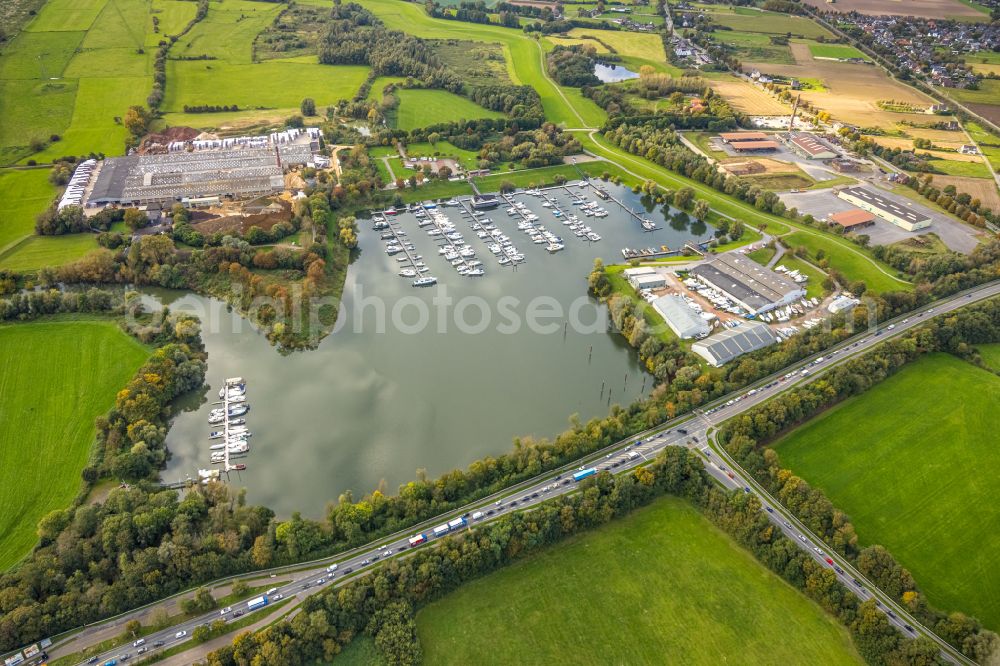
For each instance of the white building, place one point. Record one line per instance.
(682, 320)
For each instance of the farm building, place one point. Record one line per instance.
(853, 219)
(811, 147)
(682, 320)
(729, 137)
(753, 146)
(885, 208)
(845, 166)
(755, 288)
(731, 343)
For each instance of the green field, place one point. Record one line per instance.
(988, 93)
(420, 108)
(755, 47)
(659, 586)
(991, 356)
(56, 378)
(37, 55)
(839, 51)
(911, 463)
(468, 158)
(523, 54)
(854, 265)
(37, 252)
(271, 84)
(22, 195)
(67, 15)
(228, 31)
(960, 168)
(750, 20)
(762, 255)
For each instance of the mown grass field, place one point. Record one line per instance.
(750, 20)
(270, 84)
(37, 252)
(56, 378)
(228, 31)
(911, 462)
(420, 108)
(22, 195)
(636, 44)
(991, 355)
(840, 51)
(854, 265)
(660, 586)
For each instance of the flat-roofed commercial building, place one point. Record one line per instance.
(755, 288)
(885, 208)
(682, 320)
(812, 147)
(733, 342)
(753, 146)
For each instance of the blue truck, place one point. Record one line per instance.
(259, 602)
(584, 473)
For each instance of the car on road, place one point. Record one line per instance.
(490, 512)
(321, 581)
(331, 568)
(141, 650)
(802, 538)
(180, 634)
(375, 557)
(909, 628)
(92, 660)
(365, 563)
(769, 509)
(730, 475)
(858, 582)
(828, 561)
(891, 614)
(158, 644)
(746, 489)
(227, 609)
(238, 613)
(306, 586)
(787, 524)
(891, 326)
(141, 641)
(276, 597)
(838, 569)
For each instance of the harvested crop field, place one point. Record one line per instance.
(748, 98)
(848, 94)
(922, 8)
(984, 189)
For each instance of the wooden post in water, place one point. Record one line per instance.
(643, 383)
(602, 389)
(626, 382)
(590, 355)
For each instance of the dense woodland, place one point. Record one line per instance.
(573, 65)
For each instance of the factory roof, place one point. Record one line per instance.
(885, 205)
(732, 342)
(684, 321)
(744, 279)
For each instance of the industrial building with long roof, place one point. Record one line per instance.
(731, 343)
(682, 320)
(756, 288)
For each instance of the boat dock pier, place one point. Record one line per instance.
(456, 251)
(646, 224)
(698, 249)
(399, 239)
(233, 440)
(494, 234)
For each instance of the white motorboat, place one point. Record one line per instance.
(424, 281)
(408, 273)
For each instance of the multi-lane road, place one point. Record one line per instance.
(692, 431)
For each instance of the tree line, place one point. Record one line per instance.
(746, 436)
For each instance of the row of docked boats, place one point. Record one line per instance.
(230, 438)
(397, 243)
(452, 246)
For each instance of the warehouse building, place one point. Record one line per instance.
(885, 208)
(729, 137)
(682, 320)
(854, 219)
(731, 343)
(755, 288)
(753, 146)
(811, 147)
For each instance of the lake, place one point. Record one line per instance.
(612, 73)
(451, 373)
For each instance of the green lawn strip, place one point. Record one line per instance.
(767, 22)
(916, 477)
(435, 189)
(56, 378)
(836, 181)
(991, 355)
(962, 168)
(762, 255)
(703, 141)
(469, 159)
(661, 585)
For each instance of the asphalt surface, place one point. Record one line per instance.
(691, 431)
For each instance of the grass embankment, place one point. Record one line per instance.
(814, 287)
(910, 462)
(762, 255)
(56, 377)
(22, 195)
(661, 585)
(854, 265)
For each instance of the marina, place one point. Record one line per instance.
(451, 244)
(233, 436)
(498, 243)
(388, 400)
(396, 242)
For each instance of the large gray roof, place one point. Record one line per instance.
(732, 342)
(745, 279)
(684, 321)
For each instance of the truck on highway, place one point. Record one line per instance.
(441, 530)
(256, 603)
(457, 523)
(584, 473)
(632, 455)
(417, 539)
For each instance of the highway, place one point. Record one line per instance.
(691, 431)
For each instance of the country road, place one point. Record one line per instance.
(691, 431)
